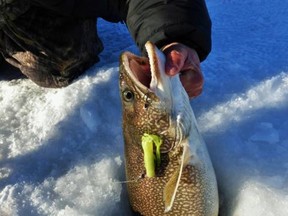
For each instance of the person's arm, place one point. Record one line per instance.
(182, 28)
(110, 10)
(60, 7)
(163, 22)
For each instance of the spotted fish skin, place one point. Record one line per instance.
(185, 183)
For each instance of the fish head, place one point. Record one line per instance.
(146, 95)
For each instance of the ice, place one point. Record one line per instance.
(101, 191)
(265, 132)
(8, 203)
(256, 198)
(268, 94)
(90, 118)
(61, 150)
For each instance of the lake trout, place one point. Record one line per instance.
(168, 168)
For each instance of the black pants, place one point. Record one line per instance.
(49, 49)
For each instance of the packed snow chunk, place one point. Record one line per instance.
(257, 199)
(90, 117)
(268, 94)
(70, 211)
(265, 132)
(8, 204)
(91, 189)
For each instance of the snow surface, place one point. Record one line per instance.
(61, 150)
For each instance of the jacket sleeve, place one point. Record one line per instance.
(11, 9)
(166, 21)
(111, 10)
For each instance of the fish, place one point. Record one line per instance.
(175, 177)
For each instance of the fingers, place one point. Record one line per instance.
(184, 60)
(192, 82)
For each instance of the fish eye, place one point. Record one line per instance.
(128, 95)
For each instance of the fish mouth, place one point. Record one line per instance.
(138, 69)
(148, 73)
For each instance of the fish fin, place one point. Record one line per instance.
(172, 185)
(170, 190)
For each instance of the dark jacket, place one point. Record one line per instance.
(59, 36)
(160, 21)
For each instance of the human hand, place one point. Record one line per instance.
(184, 60)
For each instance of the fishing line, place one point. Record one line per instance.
(130, 181)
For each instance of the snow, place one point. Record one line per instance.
(61, 150)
